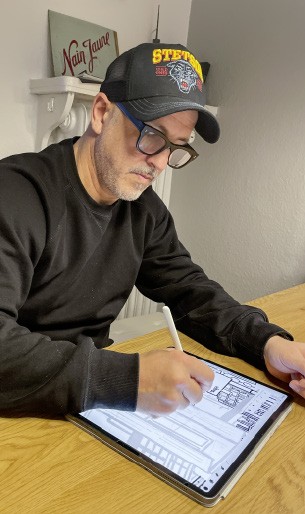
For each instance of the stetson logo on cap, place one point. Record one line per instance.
(181, 66)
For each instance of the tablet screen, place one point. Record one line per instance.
(202, 445)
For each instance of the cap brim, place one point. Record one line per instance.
(148, 109)
(207, 127)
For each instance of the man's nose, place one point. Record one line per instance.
(158, 161)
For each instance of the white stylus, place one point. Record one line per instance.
(171, 326)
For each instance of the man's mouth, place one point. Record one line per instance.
(147, 177)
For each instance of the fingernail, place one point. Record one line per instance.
(295, 388)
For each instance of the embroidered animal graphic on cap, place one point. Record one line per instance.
(185, 76)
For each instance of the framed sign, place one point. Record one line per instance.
(79, 48)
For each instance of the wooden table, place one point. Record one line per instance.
(53, 466)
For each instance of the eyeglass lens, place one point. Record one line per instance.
(178, 158)
(150, 142)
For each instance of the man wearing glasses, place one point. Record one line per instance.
(80, 226)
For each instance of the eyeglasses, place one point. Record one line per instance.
(151, 142)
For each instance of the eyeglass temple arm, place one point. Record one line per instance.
(139, 124)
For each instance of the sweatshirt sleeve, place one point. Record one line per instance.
(201, 307)
(40, 376)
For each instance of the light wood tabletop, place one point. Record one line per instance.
(53, 466)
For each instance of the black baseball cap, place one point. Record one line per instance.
(154, 80)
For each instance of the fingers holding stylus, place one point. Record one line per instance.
(170, 380)
(201, 381)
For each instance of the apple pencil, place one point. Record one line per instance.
(171, 326)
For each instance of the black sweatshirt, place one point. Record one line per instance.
(67, 266)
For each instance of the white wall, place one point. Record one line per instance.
(240, 208)
(25, 49)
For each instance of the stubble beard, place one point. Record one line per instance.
(109, 178)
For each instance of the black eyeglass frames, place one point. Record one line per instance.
(151, 142)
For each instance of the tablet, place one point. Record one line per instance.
(204, 449)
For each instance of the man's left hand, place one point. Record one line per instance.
(286, 360)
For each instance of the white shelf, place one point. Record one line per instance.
(64, 103)
(63, 84)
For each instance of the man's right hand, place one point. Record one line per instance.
(170, 380)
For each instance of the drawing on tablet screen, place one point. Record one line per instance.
(202, 441)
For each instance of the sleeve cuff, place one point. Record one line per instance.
(250, 336)
(112, 380)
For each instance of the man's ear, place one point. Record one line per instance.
(100, 111)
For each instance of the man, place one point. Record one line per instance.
(80, 226)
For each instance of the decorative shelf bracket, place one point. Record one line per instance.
(52, 111)
(63, 103)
